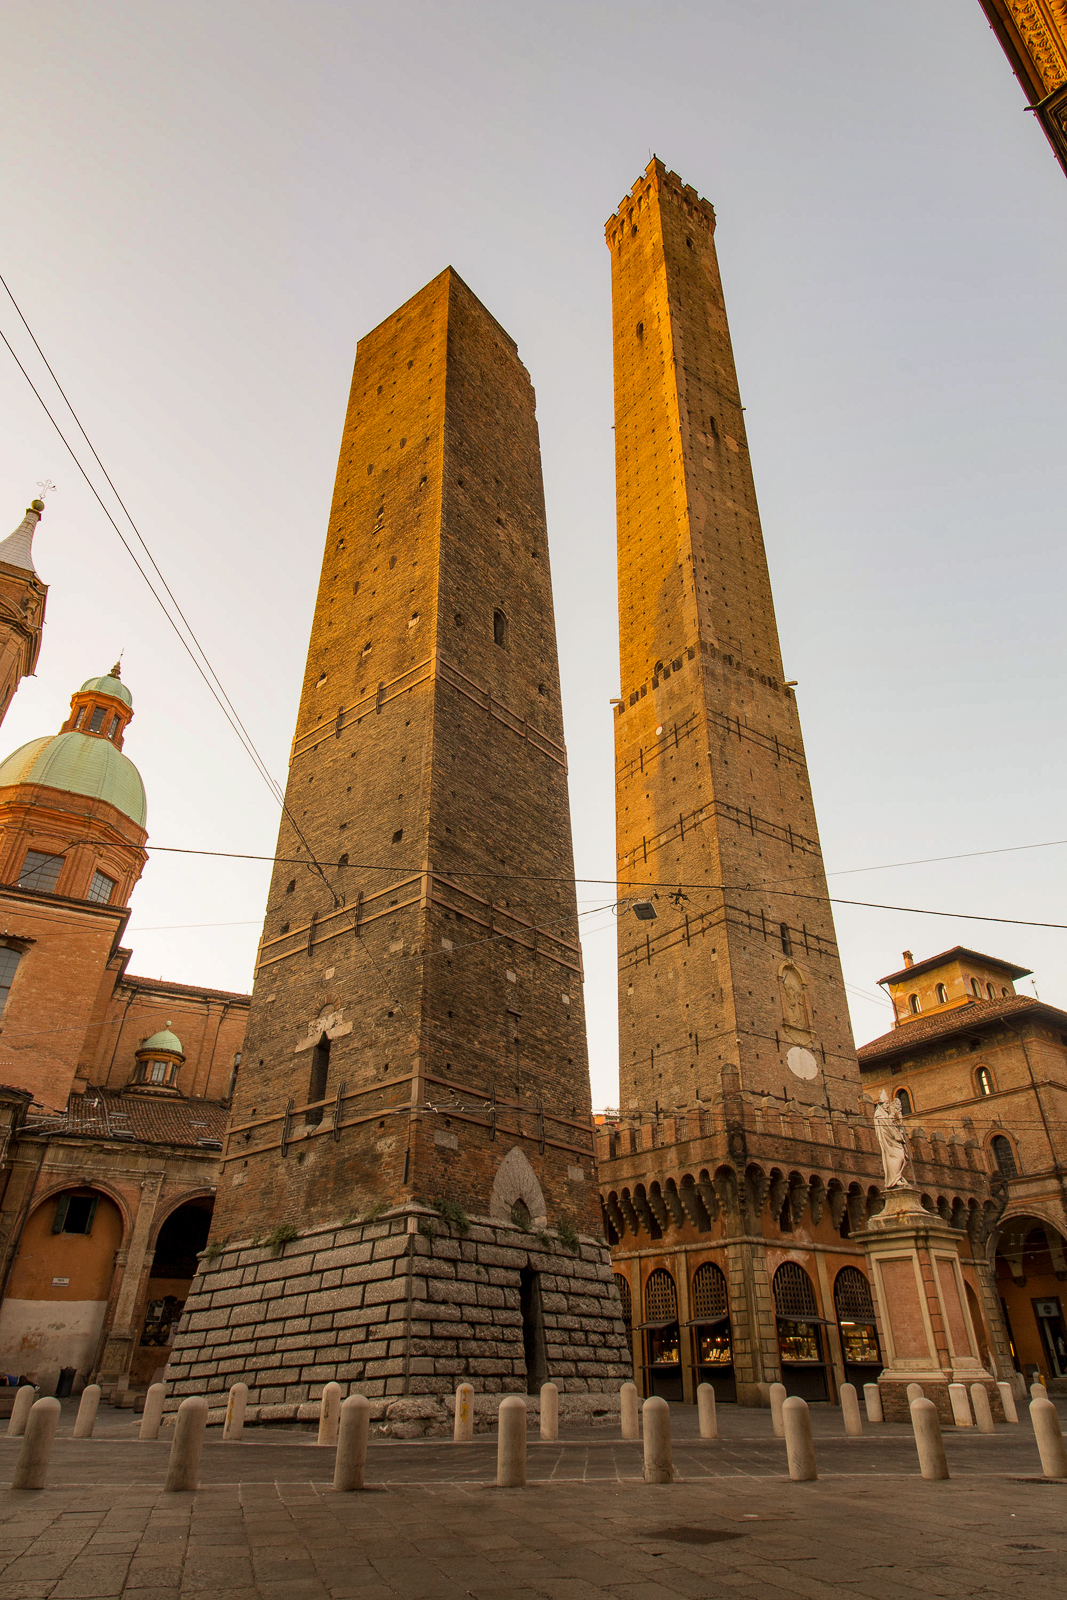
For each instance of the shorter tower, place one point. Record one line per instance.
(412, 1123)
(22, 601)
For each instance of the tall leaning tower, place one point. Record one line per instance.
(735, 986)
(411, 1155)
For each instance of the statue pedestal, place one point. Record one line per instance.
(925, 1327)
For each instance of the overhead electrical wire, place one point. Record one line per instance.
(203, 664)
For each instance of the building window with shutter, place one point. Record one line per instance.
(74, 1213)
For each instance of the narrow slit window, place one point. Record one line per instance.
(320, 1071)
(500, 629)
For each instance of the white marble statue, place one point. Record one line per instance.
(893, 1140)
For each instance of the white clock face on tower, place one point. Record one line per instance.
(801, 1063)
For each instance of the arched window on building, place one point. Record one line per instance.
(500, 629)
(1004, 1156)
(663, 1353)
(983, 1081)
(976, 989)
(320, 1072)
(626, 1299)
(942, 995)
(906, 1107)
(858, 1326)
(991, 991)
(712, 1348)
(800, 1340)
(913, 1004)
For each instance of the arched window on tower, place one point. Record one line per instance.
(663, 1355)
(500, 629)
(983, 1080)
(942, 995)
(1004, 1156)
(913, 1004)
(905, 1102)
(991, 991)
(976, 989)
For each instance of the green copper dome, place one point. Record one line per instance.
(163, 1040)
(79, 764)
(108, 684)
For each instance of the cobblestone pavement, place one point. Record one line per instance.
(265, 1525)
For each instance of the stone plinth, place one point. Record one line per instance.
(403, 1305)
(925, 1325)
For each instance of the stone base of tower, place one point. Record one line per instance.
(405, 1305)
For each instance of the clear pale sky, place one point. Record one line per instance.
(205, 206)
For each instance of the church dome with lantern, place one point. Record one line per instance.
(79, 786)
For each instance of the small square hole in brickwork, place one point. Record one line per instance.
(398, 835)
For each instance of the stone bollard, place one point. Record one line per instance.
(1049, 1436)
(1038, 1391)
(463, 1427)
(961, 1406)
(329, 1413)
(778, 1393)
(352, 1435)
(872, 1397)
(85, 1421)
(184, 1464)
(234, 1426)
(511, 1444)
(31, 1468)
(915, 1391)
(630, 1411)
(983, 1411)
(549, 1411)
(928, 1441)
(706, 1416)
(21, 1409)
(656, 1428)
(1007, 1400)
(152, 1415)
(799, 1444)
(850, 1410)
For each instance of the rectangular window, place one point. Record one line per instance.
(40, 871)
(80, 718)
(74, 1213)
(9, 960)
(101, 889)
(159, 1072)
(320, 1072)
(114, 728)
(96, 721)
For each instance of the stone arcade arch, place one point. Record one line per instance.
(179, 1240)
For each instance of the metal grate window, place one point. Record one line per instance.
(1004, 1156)
(626, 1298)
(40, 871)
(794, 1292)
(852, 1295)
(709, 1292)
(661, 1297)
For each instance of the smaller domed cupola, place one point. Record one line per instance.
(159, 1060)
(103, 707)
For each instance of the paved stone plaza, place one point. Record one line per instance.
(432, 1526)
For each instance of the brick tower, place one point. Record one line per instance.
(737, 986)
(411, 1125)
(744, 1170)
(22, 603)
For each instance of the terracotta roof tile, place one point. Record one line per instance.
(152, 1119)
(919, 1031)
